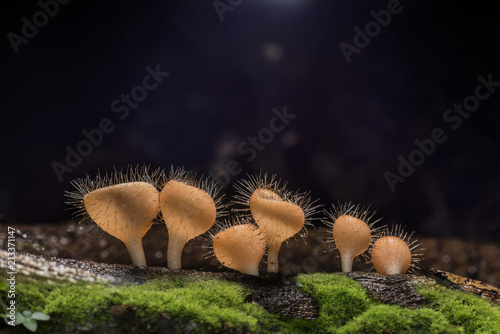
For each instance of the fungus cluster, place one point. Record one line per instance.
(126, 204)
(392, 251)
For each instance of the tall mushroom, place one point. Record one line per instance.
(189, 210)
(122, 204)
(279, 213)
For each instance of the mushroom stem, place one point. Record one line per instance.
(272, 259)
(251, 269)
(346, 258)
(176, 244)
(136, 251)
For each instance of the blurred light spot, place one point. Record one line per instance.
(472, 270)
(290, 139)
(446, 259)
(158, 255)
(272, 51)
(226, 147)
(64, 241)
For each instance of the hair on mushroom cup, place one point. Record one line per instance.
(279, 214)
(351, 230)
(123, 204)
(394, 253)
(189, 208)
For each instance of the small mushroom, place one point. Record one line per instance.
(394, 253)
(240, 247)
(351, 232)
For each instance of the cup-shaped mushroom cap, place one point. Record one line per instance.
(187, 210)
(391, 255)
(240, 247)
(351, 235)
(125, 210)
(277, 219)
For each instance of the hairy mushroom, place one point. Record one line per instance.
(279, 213)
(394, 253)
(189, 210)
(240, 247)
(122, 204)
(351, 230)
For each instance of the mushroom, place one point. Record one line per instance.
(351, 232)
(279, 213)
(189, 210)
(122, 204)
(394, 253)
(240, 247)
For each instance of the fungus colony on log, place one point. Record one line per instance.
(125, 204)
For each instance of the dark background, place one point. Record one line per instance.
(353, 120)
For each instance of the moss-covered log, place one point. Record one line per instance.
(82, 297)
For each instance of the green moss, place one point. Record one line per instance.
(215, 305)
(468, 311)
(395, 319)
(212, 303)
(341, 298)
(346, 308)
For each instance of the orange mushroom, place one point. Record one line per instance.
(240, 247)
(122, 204)
(279, 213)
(351, 232)
(394, 253)
(189, 210)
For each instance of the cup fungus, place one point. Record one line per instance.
(394, 252)
(351, 230)
(240, 247)
(189, 210)
(279, 213)
(122, 204)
